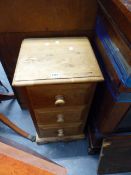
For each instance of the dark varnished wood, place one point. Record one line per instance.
(36, 16)
(107, 64)
(125, 124)
(106, 113)
(95, 139)
(7, 122)
(4, 97)
(116, 35)
(115, 80)
(120, 13)
(115, 155)
(110, 113)
(18, 130)
(118, 39)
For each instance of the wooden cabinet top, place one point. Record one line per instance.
(56, 60)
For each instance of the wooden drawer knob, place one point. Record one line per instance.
(60, 132)
(60, 118)
(59, 100)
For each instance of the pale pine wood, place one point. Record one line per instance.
(52, 71)
(54, 139)
(73, 94)
(51, 115)
(68, 130)
(56, 60)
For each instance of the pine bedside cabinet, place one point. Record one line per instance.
(59, 76)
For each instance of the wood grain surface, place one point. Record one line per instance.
(116, 35)
(115, 155)
(58, 73)
(73, 94)
(11, 166)
(67, 130)
(36, 16)
(110, 113)
(116, 83)
(53, 115)
(120, 13)
(50, 60)
(36, 19)
(16, 162)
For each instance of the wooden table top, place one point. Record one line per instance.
(56, 60)
(17, 162)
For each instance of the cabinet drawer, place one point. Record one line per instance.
(60, 95)
(72, 129)
(60, 116)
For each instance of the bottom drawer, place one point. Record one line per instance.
(61, 131)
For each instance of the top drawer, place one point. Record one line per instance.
(60, 95)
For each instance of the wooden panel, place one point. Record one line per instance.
(125, 124)
(95, 139)
(60, 116)
(116, 36)
(115, 81)
(73, 94)
(14, 161)
(120, 13)
(110, 114)
(115, 155)
(107, 63)
(47, 15)
(61, 131)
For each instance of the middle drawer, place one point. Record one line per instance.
(60, 115)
